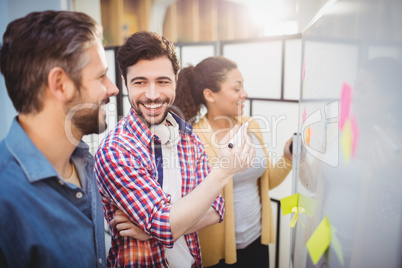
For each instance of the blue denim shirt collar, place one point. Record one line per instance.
(34, 164)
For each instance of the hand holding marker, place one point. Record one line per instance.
(233, 140)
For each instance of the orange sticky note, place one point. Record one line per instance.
(308, 132)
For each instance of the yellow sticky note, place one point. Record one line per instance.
(298, 203)
(319, 240)
(346, 141)
(288, 203)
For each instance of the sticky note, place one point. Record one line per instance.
(346, 142)
(287, 203)
(298, 203)
(336, 245)
(324, 237)
(355, 135)
(344, 104)
(349, 139)
(304, 114)
(308, 132)
(308, 204)
(319, 241)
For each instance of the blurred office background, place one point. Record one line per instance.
(262, 36)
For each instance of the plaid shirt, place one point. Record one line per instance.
(130, 176)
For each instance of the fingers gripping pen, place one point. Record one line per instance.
(235, 137)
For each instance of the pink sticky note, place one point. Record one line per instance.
(355, 133)
(345, 104)
(304, 114)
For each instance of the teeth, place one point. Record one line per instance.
(153, 106)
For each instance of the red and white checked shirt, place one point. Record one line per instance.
(130, 173)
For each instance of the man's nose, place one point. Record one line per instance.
(152, 92)
(111, 89)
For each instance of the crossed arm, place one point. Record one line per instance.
(128, 229)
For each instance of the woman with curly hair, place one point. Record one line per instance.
(242, 239)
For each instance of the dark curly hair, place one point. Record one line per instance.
(145, 45)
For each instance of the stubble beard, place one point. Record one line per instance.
(85, 117)
(150, 120)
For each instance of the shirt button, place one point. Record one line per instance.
(61, 182)
(100, 260)
(78, 195)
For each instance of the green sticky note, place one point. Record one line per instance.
(308, 204)
(336, 245)
(319, 240)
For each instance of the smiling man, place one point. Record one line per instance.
(54, 66)
(153, 169)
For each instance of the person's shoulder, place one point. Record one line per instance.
(12, 177)
(117, 136)
(253, 122)
(6, 157)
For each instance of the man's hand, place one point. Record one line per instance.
(126, 228)
(238, 158)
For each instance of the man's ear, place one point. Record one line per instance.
(60, 86)
(209, 95)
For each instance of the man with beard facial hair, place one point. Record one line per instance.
(54, 66)
(156, 184)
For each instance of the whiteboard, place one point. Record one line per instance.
(349, 151)
(261, 66)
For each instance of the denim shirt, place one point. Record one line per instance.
(45, 221)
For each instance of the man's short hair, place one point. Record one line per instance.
(145, 45)
(38, 42)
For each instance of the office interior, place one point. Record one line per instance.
(275, 44)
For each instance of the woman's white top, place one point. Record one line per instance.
(246, 198)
